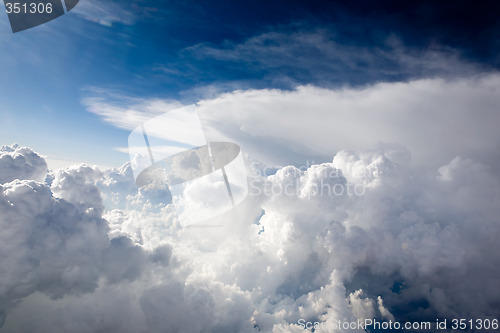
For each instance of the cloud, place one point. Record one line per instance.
(408, 225)
(401, 229)
(104, 13)
(21, 163)
(58, 244)
(125, 112)
(76, 185)
(436, 119)
(325, 57)
(48, 245)
(278, 258)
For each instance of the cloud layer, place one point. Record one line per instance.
(435, 119)
(86, 251)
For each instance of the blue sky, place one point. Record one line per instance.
(187, 51)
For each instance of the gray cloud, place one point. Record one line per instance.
(417, 241)
(321, 256)
(20, 163)
(320, 57)
(104, 13)
(435, 119)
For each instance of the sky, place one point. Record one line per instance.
(190, 51)
(370, 153)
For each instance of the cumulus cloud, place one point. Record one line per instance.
(435, 119)
(310, 248)
(21, 163)
(308, 253)
(48, 245)
(404, 230)
(55, 242)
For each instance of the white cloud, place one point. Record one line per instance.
(435, 119)
(47, 245)
(21, 163)
(75, 184)
(116, 258)
(405, 224)
(105, 13)
(311, 249)
(124, 112)
(290, 57)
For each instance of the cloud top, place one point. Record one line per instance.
(21, 163)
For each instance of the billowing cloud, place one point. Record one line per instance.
(301, 249)
(48, 245)
(21, 163)
(59, 245)
(435, 119)
(398, 221)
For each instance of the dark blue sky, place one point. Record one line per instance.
(164, 37)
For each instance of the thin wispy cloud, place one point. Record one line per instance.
(105, 12)
(126, 112)
(318, 57)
